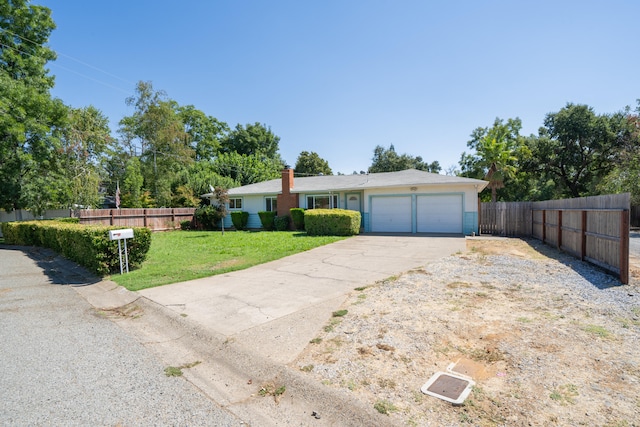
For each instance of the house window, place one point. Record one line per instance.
(271, 204)
(322, 202)
(235, 203)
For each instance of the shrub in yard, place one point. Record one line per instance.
(240, 219)
(267, 219)
(89, 246)
(185, 225)
(297, 216)
(332, 222)
(281, 223)
(208, 217)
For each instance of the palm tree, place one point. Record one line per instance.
(498, 158)
(495, 154)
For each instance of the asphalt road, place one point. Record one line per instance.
(64, 363)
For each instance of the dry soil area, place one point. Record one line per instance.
(549, 341)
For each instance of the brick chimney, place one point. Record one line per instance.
(286, 200)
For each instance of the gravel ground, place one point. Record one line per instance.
(63, 363)
(549, 340)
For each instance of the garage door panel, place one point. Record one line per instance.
(391, 214)
(439, 214)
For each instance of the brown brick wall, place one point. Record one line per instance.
(286, 200)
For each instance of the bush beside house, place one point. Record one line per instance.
(297, 216)
(208, 217)
(281, 223)
(240, 219)
(332, 222)
(267, 219)
(89, 246)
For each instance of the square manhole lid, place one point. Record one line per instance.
(446, 386)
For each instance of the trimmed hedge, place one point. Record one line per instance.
(89, 246)
(281, 223)
(267, 219)
(240, 219)
(297, 216)
(332, 222)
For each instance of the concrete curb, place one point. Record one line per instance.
(230, 373)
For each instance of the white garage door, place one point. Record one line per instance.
(439, 214)
(391, 214)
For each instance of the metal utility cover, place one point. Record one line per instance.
(446, 386)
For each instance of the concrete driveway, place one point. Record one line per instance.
(278, 307)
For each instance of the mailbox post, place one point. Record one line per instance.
(124, 234)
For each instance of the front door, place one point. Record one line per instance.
(353, 202)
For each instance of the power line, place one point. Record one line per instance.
(70, 70)
(71, 58)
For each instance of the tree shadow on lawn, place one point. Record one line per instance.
(597, 276)
(58, 269)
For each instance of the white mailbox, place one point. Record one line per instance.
(125, 233)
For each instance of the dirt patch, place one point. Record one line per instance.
(547, 344)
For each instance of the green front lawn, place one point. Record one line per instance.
(178, 256)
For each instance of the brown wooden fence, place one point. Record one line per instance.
(594, 229)
(157, 219)
(505, 218)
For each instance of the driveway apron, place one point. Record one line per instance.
(278, 307)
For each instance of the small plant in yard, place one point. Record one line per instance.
(316, 340)
(565, 394)
(597, 330)
(385, 407)
(307, 368)
(386, 383)
(340, 313)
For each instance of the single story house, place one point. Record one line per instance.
(409, 201)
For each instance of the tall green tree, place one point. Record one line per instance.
(576, 148)
(310, 163)
(495, 153)
(387, 160)
(156, 133)
(247, 169)
(206, 133)
(625, 172)
(84, 145)
(30, 119)
(252, 139)
(197, 180)
(131, 186)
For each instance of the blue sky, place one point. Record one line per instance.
(340, 77)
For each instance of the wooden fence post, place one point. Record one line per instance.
(111, 221)
(559, 229)
(544, 225)
(624, 247)
(583, 236)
